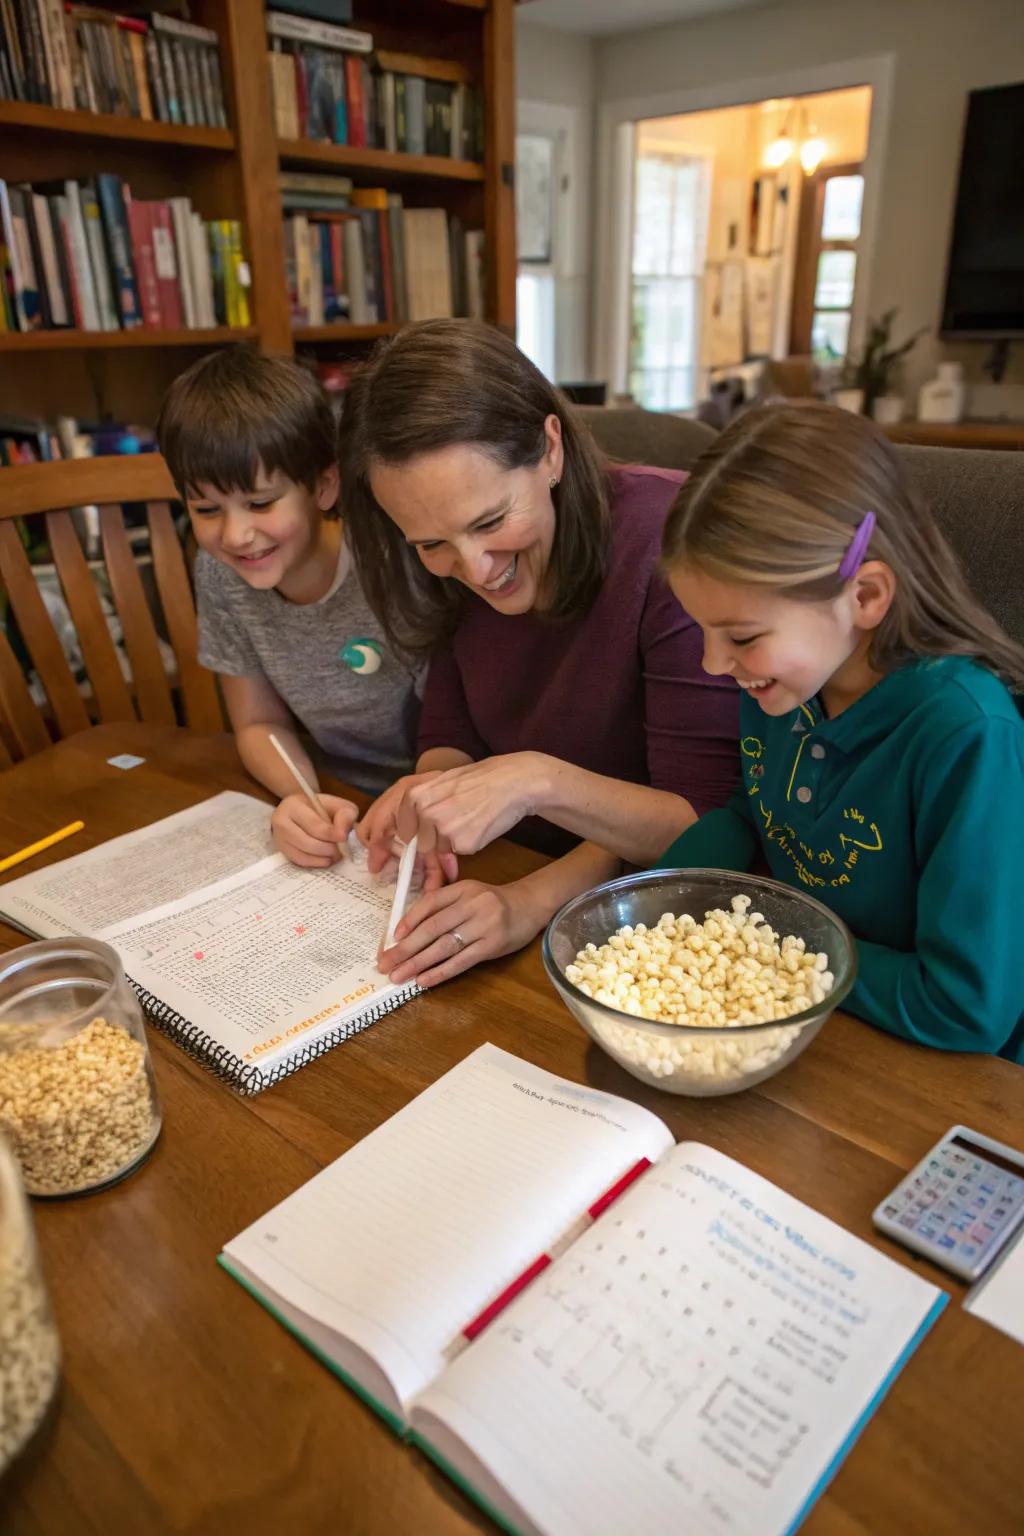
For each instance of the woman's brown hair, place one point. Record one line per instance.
(776, 500)
(445, 382)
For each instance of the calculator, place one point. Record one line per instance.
(961, 1204)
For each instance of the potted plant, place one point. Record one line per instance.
(869, 379)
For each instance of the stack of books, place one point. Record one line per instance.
(90, 60)
(359, 255)
(33, 439)
(88, 255)
(328, 84)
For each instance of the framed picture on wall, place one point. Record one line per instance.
(535, 197)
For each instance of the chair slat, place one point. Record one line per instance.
(23, 719)
(149, 680)
(198, 686)
(39, 634)
(110, 690)
(82, 482)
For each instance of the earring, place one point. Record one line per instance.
(553, 482)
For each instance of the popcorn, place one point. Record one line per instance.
(728, 971)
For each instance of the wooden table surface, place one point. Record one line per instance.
(186, 1408)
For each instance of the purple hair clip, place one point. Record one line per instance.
(854, 557)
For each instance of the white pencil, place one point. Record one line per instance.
(303, 783)
(406, 865)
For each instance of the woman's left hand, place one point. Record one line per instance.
(466, 808)
(450, 930)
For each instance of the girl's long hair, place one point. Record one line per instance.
(440, 383)
(775, 501)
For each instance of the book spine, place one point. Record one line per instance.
(81, 265)
(115, 228)
(174, 114)
(35, 244)
(203, 275)
(220, 100)
(371, 248)
(141, 230)
(240, 271)
(122, 42)
(396, 235)
(15, 55)
(137, 51)
(356, 101)
(155, 75)
(98, 261)
(321, 33)
(166, 266)
(337, 241)
(180, 210)
(64, 91)
(33, 34)
(59, 211)
(207, 91)
(303, 270)
(222, 304)
(25, 299)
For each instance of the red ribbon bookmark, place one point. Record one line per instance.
(476, 1327)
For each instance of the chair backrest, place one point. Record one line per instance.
(187, 696)
(976, 496)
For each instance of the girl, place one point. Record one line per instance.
(882, 753)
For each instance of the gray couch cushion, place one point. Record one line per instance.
(976, 495)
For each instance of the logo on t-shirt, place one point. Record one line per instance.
(362, 655)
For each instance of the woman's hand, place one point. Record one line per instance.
(464, 809)
(378, 832)
(489, 920)
(306, 837)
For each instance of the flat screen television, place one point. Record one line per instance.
(985, 277)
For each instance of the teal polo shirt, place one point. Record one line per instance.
(905, 815)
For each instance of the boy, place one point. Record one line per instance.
(249, 441)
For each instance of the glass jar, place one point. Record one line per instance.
(29, 1347)
(77, 1098)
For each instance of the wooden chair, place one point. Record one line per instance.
(150, 695)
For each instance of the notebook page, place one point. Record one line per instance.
(267, 959)
(127, 876)
(695, 1362)
(408, 1236)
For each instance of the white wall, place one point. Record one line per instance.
(940, 50)
(555, 91)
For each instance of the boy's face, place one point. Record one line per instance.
(266, 532)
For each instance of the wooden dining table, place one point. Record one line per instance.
(185, 1407)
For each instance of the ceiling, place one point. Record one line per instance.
(603, 17)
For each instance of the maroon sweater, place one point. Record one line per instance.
(620, 691)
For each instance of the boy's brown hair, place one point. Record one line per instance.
(234, 411)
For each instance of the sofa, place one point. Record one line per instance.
(977, 495)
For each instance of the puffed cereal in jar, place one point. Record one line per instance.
(29, 1347)
(77, 1098)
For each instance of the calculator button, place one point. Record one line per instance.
(945, 1241)
(969, 1250)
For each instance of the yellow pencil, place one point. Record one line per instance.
(44, 842)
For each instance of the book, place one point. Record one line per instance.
(321, 33)
(588, 1327)
(253, 965)
(427, 264)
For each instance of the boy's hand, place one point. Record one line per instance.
(305, 837)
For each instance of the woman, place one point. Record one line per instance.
(565, 697)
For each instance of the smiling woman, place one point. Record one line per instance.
(565, 701)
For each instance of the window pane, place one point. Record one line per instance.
(668, 232)
(534, 196)
(830, 332)
(663, 373)
(843, 197)
(834, 287)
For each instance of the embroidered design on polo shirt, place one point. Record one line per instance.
(362, 655)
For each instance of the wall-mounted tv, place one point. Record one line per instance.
(985, 278)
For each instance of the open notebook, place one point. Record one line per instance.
(251, 964)
(688, 1347)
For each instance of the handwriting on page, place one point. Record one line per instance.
(254, 951)
(110, 884)
(686, 1351)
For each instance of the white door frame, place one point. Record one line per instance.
(615, 144)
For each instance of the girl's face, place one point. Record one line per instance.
(472, 521)
(781, 651)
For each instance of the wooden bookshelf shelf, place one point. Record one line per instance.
(104, 125)
(387, 162)
(90, 341)
(341, 330)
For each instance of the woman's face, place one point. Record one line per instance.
(472, 521)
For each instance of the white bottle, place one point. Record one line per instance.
(942, 398)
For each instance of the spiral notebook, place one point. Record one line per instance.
(254, 966)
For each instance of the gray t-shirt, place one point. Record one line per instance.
(364, 722)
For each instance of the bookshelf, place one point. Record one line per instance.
(233, 173)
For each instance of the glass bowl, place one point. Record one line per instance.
(29, 1347)
(77, 1098)
(687, 1058)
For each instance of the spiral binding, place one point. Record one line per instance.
(247, 1078)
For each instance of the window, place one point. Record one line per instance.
(669, 242)
(826, 262)
(536, 158)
